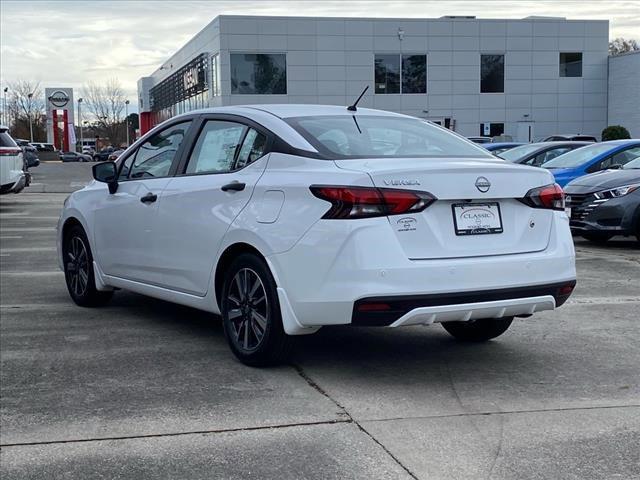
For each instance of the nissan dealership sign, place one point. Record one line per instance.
(59, 99)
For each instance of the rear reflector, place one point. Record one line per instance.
(548, 196)
(373, 307)
(367, 202)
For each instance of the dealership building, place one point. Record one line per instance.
(525, 78)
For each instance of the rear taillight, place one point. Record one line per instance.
(366, 202)
(9, 152)
(548, 196)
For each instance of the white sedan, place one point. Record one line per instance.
(287, 218)
(12, 176)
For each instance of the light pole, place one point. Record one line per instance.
(30, 96)
(126, 119)
(80, 125)
(5, 117)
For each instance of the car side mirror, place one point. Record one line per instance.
(106, 172)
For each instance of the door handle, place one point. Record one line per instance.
(233, 186)
(149, 198)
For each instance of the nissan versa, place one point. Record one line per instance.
(287, 218)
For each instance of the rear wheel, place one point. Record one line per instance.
(597, 237)
(478, 330)
(78, 270)
(251, 313)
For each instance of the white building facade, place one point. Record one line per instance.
(624, 92)
(525, 78)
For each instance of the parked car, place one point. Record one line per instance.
(286, 218)
(499, 147)
(606, 203)
(12, 176)
(44, 147)
(577, 137)
(592, 158)
(115, 154)
(535, 154)
(480, 139)
(29, 153)
(103, 155)
(75, 157)
(89, 150)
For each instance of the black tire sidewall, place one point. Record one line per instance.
(271, 349)
(91, 295)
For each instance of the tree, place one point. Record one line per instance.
(622, 45)
(615, 132)
(106, 103)
(25, 104)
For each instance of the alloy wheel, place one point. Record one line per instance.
(77, 266)
(248, 311)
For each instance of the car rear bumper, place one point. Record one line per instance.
(329, 272)
(16, 186)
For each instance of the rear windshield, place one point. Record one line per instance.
(577, 157)
(369, 136)
(515, 154)
(6, 140)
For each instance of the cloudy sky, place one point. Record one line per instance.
(69, 43)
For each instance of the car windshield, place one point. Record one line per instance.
(515, 154)
(368, 136)
(633, 164)
(578, 156)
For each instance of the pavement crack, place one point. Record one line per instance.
(350, 419)
(174, 434)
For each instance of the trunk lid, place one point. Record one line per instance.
(431, 234)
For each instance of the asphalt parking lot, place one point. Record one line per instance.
(146, 389)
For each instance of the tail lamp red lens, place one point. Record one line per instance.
(367, 202)
(548, 196)
(9, 151)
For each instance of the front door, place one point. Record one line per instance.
(125, 220)
(199, 205)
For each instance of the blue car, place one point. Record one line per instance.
(499, 147)
(591, 159)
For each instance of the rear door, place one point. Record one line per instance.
(125, 221)
(199, 204)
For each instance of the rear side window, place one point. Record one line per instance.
(6, 140)
(253, 147)
(216, 147)
(154, 157)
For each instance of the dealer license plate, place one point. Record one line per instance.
(477, 218)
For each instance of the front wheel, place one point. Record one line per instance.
(78, 270)
(478, 330)
(251, 313)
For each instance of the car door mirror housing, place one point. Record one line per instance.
(106, 172)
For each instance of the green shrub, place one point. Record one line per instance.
(615, 132)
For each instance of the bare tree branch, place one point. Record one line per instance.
(105, 102)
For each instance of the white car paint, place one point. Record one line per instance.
(12, 177)
(170, 249)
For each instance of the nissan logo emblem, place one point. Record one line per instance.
(59, 99)
(482, 184)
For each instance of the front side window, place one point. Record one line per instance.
(620, 158)
(154, 157)
(396, 73)
(259, 73)
(369, 136)
(571, 64)
(491, 73)
(216, 147)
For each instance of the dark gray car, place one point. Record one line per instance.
(605, 203)
(535, 154)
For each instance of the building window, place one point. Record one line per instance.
(215, 75)
(414, 74)
(571, 64)
(389, 78)
(491, 129)
(259, 73)
(491, 73)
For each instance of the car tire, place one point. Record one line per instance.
(251, 315)
(78, 270)
(597, 237)
(478, 330)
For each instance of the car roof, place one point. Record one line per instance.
(299, 110)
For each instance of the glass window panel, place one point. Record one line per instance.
(155, 156)
(571, 64)
(216, 147)
(259, 73)
(414, 74)
(387, 73)
(491, 73)
(252, 149)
